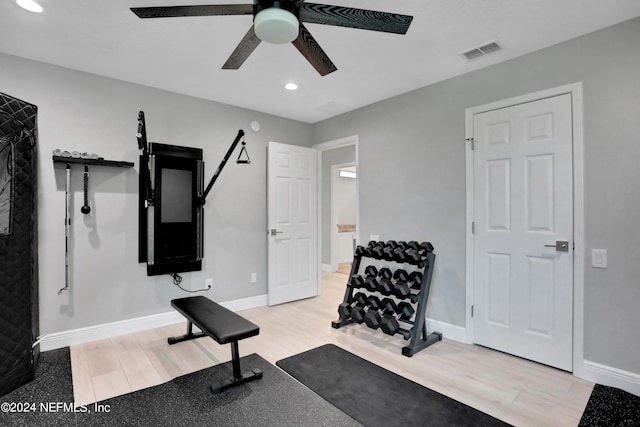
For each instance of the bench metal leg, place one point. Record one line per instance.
(238, 376)
(188, 336)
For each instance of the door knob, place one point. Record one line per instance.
(274, 232)
(561, 246)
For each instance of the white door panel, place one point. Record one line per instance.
(292, 221)
(523, 289)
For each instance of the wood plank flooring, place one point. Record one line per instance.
(514, 390)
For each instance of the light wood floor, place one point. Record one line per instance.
(512, 389)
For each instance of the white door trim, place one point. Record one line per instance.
(329, 145)
(575, 89)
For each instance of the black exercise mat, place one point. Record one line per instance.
(610, 406)
(375, 396)
(274, 400)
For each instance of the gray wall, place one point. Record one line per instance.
(80, 111)
(418, 139)
(329, 158)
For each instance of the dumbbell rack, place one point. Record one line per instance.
(424, 262)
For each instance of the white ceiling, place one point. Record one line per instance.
(185, 55)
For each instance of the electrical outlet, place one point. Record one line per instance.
(254, 277)
(208, 283)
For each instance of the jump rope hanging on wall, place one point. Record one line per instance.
(171, 203)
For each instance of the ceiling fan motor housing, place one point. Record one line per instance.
(275, 21)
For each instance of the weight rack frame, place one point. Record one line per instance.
(419, 338)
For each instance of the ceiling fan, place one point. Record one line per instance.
(281, 21)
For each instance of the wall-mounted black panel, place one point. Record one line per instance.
(171, 218)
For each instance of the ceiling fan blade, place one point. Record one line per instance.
(201, 10)
(354, 18)
(246, 46)
(310, 49)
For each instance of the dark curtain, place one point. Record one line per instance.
(18, 243)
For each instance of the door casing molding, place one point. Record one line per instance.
(575, 89)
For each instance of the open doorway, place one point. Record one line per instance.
(343, 216)
(338, 211)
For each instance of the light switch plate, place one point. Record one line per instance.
(599, 258)
(374, 237)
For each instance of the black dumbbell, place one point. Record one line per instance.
(400, 254)
(360, 299)
(356, 281)
(385, 287)
(372, 319)
(413, 256)
(385, 273)
(373, 302)
(390, 326)
(357, 313)
(377, 252)
(416, 279)
(359, 250)
(344, 309)
(401, 275)
(387, 306)
(413, 245)
(426, 246)
(371, 271)
(405, 310)
(371, 283)
(401, 290)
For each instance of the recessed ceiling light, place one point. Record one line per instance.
(291, 86)
(30, 5)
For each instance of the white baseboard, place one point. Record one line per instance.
(449, 331)
(108, 330)
(327, 268)
(613, 377)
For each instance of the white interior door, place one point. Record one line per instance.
(523, 205)
(293, 222)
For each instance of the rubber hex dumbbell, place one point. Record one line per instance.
(357, 313)
(401, 275)
(405, 310)
(373, 302)
(372, 319)
(344, 309)
(401, 290)
(371, 284)
(360, 299)
(400, 255)
(390, 326)
(387, 306)
(356, 281)
(371, 271)
(426, 246)
(385, 273)
(416, 279)
(385, 287)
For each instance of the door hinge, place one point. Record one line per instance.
(472, 141)
(471, 311)
(473, 227)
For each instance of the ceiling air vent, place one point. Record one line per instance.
(480, 51)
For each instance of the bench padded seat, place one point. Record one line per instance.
(216, 321)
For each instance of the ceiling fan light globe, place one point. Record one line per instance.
(275, 25)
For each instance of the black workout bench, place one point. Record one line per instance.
(221, 324)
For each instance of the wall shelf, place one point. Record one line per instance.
(96, 162)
